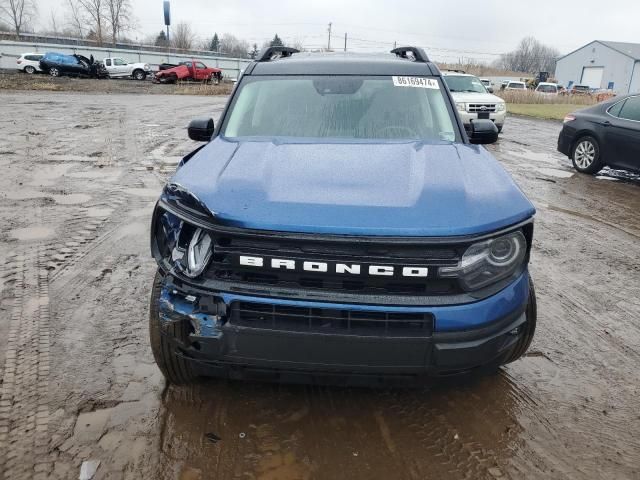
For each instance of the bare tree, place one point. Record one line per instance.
(119, 17)
(234, 47)
(94, 13)
(53, 22)
(530, 56)
(17, 13)
(75, 18)
(182, 36)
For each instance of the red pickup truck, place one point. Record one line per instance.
(192, 70)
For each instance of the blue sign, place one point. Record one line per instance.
(167, 13)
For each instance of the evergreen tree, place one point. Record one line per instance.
(214, 46)
(276, 42)
(161, 39)
(254, 51)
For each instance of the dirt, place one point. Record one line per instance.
(12, 81)
(78, 379)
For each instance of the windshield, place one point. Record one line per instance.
(464, 83)
(342, 107)
(516, 85)
(547, 88)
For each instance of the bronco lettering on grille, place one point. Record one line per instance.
(333, 267)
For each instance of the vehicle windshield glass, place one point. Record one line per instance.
(516, 85)
(547, 88)
(464, 83)
(341, 107)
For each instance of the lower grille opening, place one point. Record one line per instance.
(330, 321)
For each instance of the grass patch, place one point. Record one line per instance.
(542, 110)
(203, 89)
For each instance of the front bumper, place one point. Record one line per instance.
(497, 117)
(463, 338)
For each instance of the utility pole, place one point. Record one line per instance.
(395, 44)
(345, 41)
(329, 41)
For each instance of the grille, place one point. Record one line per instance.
(330, 321)
(225, 265)
(477, 107)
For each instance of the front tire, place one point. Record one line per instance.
(30, 70)
(54, 72)
(528, 327)
(585, 155)
(174, 367)
(139, 75)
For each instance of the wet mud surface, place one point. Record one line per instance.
(79, 383)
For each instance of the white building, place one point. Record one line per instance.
(602, 64)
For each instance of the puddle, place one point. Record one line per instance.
(554, 172)
(71, 199)
(25, 194)
(48, 175)
(31, 233)
(144, 192)
(99, 212)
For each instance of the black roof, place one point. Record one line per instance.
(342, 63)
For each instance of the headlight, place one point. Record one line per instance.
(501, 107)
(182, 246)
(198, 254)
(487, 262)
(462, 107)
(146, 66)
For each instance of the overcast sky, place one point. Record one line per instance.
(448, 29)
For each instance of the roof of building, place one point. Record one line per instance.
(631, 50)
(340, 63)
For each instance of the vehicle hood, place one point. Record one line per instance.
(397, 189)
(471, 97)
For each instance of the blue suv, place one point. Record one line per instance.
(340, 224)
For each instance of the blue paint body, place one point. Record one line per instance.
(355, 188)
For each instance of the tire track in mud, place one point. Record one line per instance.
(24, 404)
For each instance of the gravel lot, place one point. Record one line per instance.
(79, 182)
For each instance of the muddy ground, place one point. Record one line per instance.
(12, 80)
(79, 179)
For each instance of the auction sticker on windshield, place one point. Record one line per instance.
(417, 82)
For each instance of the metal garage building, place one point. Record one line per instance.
(601, 64)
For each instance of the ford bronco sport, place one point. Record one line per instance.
(339, 223)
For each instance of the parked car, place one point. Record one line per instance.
(29, 62)
(192, 70)
(340, 223)
(584, 90)
(547, 89)
(606, 134)
(473, 101)
(119, 68)
(516, 86)
(487, 84)
(58, 64)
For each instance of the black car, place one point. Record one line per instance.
(605, 135)
(57, 64)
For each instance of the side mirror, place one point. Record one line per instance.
(201, 130)
(483, 132)
(490, 89)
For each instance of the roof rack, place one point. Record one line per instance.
(455, 70)
(419, 54)
(271, 53)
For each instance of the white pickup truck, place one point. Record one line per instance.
(119, 68)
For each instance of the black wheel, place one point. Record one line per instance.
(30, 70)
(139, 75)
(528, 329)
(586, 155)
(174, 368)
(500, 129)
(54, 72)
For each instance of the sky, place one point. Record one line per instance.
(449, 30)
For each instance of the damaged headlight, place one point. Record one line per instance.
(488, 262)
(182, 246)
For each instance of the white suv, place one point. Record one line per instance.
(473, 101)
(29, 62)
